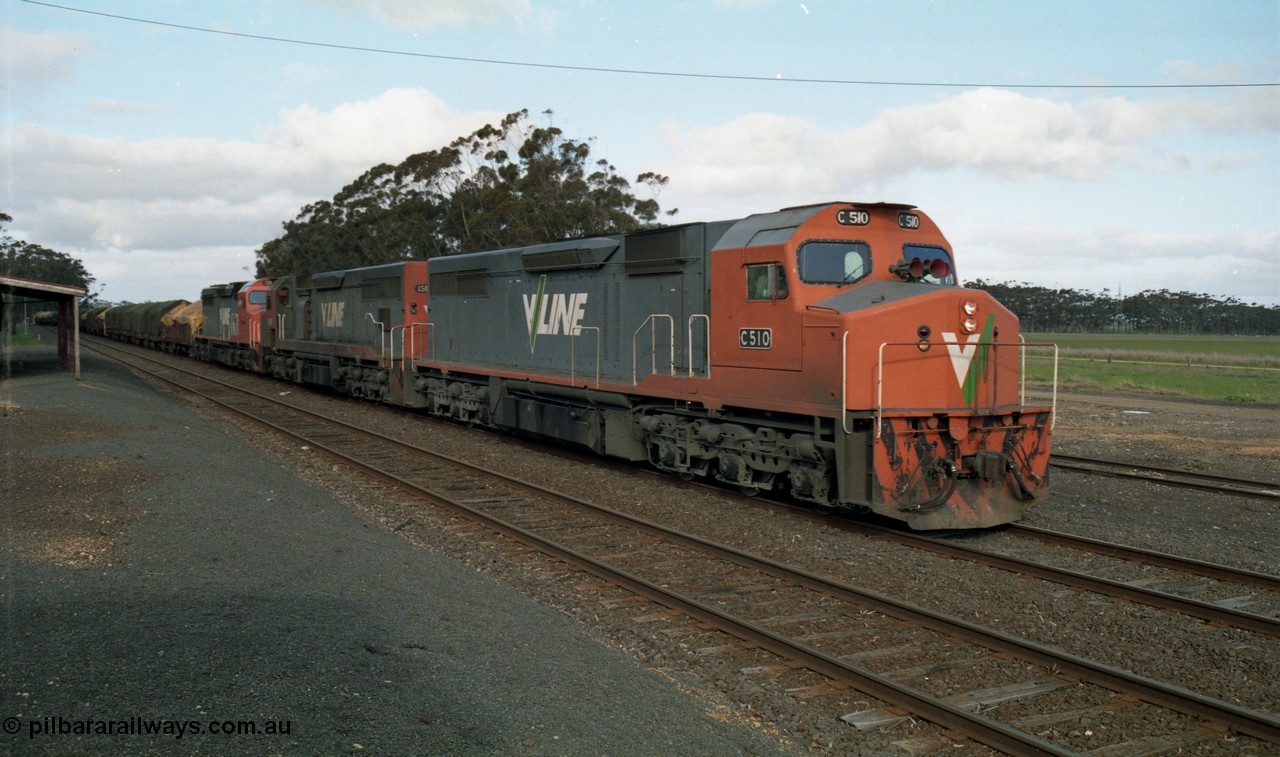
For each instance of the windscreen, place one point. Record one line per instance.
(927, 254)
(834, 262)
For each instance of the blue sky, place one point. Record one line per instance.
(163, 157)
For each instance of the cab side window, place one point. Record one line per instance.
(766, 281)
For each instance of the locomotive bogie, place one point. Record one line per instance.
(749, 454)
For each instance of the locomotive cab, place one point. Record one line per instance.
(853, 312)
(232, 323)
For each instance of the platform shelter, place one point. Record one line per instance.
(14, 290)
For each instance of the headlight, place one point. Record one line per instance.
(970, 307)
(970, 325)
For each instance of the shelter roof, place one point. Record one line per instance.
(29, 287)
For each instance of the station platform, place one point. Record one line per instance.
(147, 602)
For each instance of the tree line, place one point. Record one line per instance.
(27, 260)
(1042, 309)
(508, 185)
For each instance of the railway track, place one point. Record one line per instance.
(1208, 482)
(829, 627)
(1225, 612)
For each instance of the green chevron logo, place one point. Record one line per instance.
(969, 361)
(534, 316)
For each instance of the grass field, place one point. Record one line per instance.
(1229, 369)
(20, 335)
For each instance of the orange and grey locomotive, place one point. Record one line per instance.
(827, 351)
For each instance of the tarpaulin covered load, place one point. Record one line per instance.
(190, 315)
(139, 322)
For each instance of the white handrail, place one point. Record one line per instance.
(653, 346)
(1022, 370)
(844, 386)
(1022, 378)
(382, 336)
(413, 343)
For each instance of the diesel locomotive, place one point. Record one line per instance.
(827, 351)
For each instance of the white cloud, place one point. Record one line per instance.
(1026, 149)
(167, 276)
(1233, 72)
(77, 193)
(992, 132)
(416, 14)
(358, 135)
(33, 61)
(116, 108)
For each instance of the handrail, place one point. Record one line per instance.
(382, 336)
(1053, 402)
(393, 343)
(1022, 378)
(653, 347)
(573, 358)
(689, 344)
(879, 414)
(844, 388)
(1022, 370)
(413, 348)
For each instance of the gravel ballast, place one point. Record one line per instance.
(154, 569)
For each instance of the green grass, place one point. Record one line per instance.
(1237, 350)
(20, 335)
(1227, 369)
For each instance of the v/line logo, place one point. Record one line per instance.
(331, 313)
(969, 361)
(559, 313)
(960, 356)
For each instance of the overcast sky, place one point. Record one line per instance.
(164, 156)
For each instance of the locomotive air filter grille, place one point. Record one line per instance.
(654, 253)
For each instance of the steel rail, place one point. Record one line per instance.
(1245, 721)
(1149, 557)
(1163, 600)
(1170, 477)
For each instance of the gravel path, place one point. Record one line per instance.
(152, 568)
